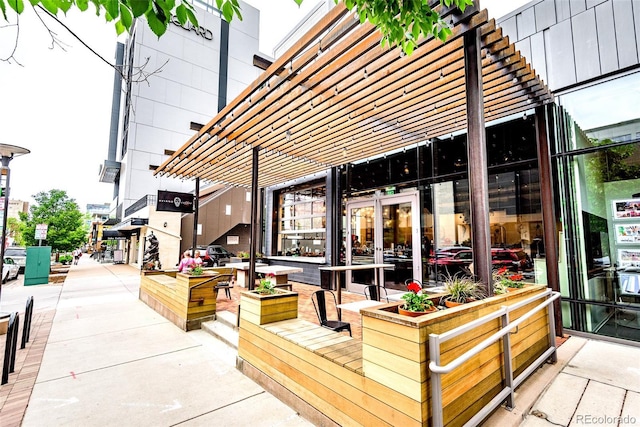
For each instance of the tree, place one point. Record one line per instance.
(66, 230)
(402, 23)
(13, 231)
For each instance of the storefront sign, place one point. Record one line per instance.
(201, 31)
(170, 201)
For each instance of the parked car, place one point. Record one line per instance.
(10, 270)
(19, 255)
(213, 255)
(454, 263)
(449, 263)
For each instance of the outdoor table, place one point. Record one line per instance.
(281, 272)
(335, 269)
(243, 269)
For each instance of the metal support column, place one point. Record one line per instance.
(477, 154)
(196, 205)
(550, 233)
(254, 219)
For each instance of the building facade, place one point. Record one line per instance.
(410, 207)
(173, 85)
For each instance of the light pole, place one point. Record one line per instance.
(7, 152)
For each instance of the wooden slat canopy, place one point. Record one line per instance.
(336, 97)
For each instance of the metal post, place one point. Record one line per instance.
(508, 367)
(477, 153)
(548, 211)
(254, 219)
(5, 210)
(437, 417)
(196, 205)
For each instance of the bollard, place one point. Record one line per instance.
(26, 329)
(10, 347)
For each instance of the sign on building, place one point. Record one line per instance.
(170, 201)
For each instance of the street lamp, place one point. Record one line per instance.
(7, 152)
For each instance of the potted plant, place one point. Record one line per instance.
(416, 303)
(267, 286)
(197, 271)
(507, 281)
(461, 290)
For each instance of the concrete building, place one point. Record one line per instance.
(174, 85)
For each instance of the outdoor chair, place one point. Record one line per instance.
(319, 299)
(226, 281)
(371, 292)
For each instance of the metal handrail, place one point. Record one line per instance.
(435, 341)
(9, 363)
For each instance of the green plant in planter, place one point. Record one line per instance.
(499, 288)
(415, 300)
(463, 289)
(266, 287)
(65, 259)
(243, 254)
(197, 271)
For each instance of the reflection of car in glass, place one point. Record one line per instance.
(213, 255)
(453, 263)
(19, 255)
(10, 270)
(514, 259)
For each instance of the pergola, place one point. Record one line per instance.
(336, 96)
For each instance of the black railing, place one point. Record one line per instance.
(9, 364)
(10, 349)
(26, 329)
(148, 200)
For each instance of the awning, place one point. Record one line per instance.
(114, 235)
(343, 98)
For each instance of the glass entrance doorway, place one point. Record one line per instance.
(384, 229)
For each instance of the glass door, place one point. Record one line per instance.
(384, 229)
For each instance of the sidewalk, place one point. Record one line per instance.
(111, 360)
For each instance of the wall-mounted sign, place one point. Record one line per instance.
(170, 201)
(201, 31)
(233, 240)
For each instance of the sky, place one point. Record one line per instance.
(57, 103)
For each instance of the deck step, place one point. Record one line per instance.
(223, 328)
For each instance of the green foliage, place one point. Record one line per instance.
(122, 12)
(266, 287)
(402, 23)
(66, 230)
(197, 271)
(416, 300)
(462, 289)
(13, 230)
(65, 259)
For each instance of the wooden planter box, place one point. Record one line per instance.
(391, 385)
(261, 309)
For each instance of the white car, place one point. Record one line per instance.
(10, 270)
(18, 254)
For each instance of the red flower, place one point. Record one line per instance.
(502, 270)
(516, 277)
(414, 287)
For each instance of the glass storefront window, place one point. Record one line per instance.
(302, 222)
(600, 195)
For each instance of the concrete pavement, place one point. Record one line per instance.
(111, 360)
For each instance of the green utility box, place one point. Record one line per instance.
(38, 265)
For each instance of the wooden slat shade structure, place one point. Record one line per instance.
(337, 96)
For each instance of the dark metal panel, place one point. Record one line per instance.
(606, 38)
(562, 10)
(526, 22)
(623, 21)
(577, 6)
(561, 69)
(538, 58)
(509, 28)
(545, 14)
(585, 45)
